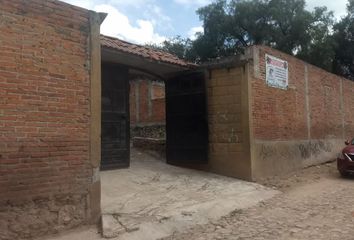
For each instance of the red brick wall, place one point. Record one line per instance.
(303, 125)
(158, 109)
(132, 102)
(147, 102)
(44, 117)
(325, 104)
(279, 114)
(348, 106)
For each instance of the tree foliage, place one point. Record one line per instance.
(232, 25)
(178, 46)
(344, 44)
(286, 25)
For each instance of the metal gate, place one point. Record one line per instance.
(186, 120)
(115, 128)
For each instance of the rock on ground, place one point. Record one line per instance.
(315, 204)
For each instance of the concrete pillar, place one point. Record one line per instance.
(342, 107)
(94, 198)
(307, 100)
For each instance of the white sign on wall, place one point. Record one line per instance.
(277, 72)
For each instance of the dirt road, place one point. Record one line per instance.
(316, 204)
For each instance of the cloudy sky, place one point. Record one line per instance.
(152, 21)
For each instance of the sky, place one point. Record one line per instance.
(153, 21)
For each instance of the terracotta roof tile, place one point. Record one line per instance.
(145, 52)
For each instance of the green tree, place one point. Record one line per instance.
(216, 40)
(229, 27)
(177, 46)
(319, 49)
(344, 44)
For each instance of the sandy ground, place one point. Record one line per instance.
(152, 199)
(315, 203)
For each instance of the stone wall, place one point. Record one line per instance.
(152, 131)
(151, 145)
(45, 169)
(305, 124)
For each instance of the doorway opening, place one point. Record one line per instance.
(115, 137)
(185, 112)
(186, 118)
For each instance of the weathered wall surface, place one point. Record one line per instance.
(228, 122)
(303, 125)
(45, 170)
(348, 107)
(147, 107)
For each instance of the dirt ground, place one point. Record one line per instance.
(316, 203)
(299, 178)
(152, 199)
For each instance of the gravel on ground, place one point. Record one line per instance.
(316, 203)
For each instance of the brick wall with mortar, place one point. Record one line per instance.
(45, 168)
(147, 107)
(301, 126)
(229, 152)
